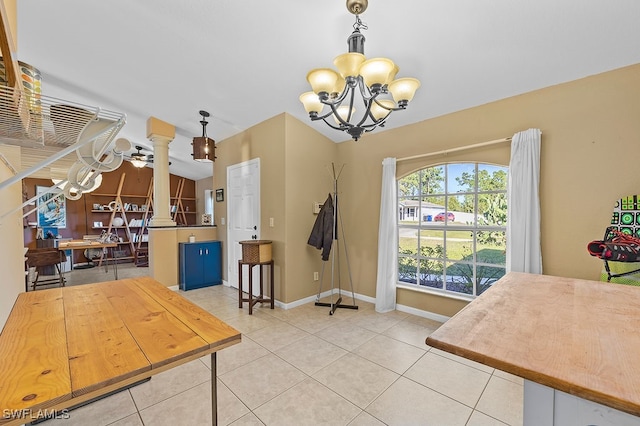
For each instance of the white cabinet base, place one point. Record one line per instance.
(545, 406)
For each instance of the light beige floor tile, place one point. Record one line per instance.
(366, 419)
(236, 356)
(356, 379)
(373, 321)
(508, 376)
(194, 407)
(307, 403)
(102, 412)
(277, 336)
(408, 403)
(310, 354)
(393, 354)
(132, 420)
(261, 380)
(223, 311)
(169, 383)
(462, 360)
(453, 379)
(480, 419)
(410, 332)
(248, 419)
(503, 400)
(308, 317)
(249, 323)
(346, 335)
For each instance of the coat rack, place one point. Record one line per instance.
(335, 256)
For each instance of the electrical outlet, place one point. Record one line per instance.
(271, 222)
(315, 276)
(222, 220)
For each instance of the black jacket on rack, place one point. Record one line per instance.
(322, 233)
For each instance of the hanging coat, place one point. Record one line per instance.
(322, 233)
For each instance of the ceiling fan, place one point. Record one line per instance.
(138, 159)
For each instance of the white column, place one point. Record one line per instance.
(161, 134)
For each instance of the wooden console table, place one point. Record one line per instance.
(83, 245)
(64, 346)
(250, 298)
(575, 342)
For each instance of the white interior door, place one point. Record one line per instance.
(243, 215)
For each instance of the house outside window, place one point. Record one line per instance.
(455, 240)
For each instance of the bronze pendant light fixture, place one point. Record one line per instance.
(204, 148)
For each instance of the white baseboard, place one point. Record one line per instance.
(364, 298)
(174, 288)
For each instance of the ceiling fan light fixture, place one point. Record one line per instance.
(138, 163)
(204, 148)
(138, 159)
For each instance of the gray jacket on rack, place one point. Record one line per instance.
(322, 233)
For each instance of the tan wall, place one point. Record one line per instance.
(265, 141)
(590, 147)
(293, 166)
(308, 158)
(11, 249)
(163, 244)
(201, 186)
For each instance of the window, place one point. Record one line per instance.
(455, 242)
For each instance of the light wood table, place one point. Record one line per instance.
(64, 346)
(83, 245)
(575, 342)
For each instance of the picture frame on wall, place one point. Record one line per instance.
(51, 208)
(219, 194)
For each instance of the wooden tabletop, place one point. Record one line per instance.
(580, 337)
(63, 346)
(81, 244)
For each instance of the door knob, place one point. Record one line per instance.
(255, 228)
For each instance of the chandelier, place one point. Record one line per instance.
(204, 148)
(369, 84)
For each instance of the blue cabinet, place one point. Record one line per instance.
(200, 264)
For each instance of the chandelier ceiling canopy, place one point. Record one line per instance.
(362, 93)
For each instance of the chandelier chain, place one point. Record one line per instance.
(359, 24)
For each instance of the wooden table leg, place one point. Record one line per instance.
(240, 285)
(271, 285)
(250, 289)
(214, 390)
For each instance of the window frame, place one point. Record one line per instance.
(446, 227)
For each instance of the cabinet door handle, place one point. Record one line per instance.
(200, 252)
(206, 251)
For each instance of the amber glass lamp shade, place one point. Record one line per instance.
(204, 149)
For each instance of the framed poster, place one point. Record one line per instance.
(219, 195)
(52, 208)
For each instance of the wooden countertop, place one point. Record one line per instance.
(581, 337)
(63, 346)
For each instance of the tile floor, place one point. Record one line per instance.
(304, 367)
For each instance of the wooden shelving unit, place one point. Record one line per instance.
(134, 216)
(180, 206)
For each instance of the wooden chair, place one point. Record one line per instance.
(40, 257)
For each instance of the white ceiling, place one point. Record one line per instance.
(246, 61)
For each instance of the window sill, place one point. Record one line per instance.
(436, 292)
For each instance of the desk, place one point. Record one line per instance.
(253, 300)
(83, 245)
(575, 342)
(57, 352)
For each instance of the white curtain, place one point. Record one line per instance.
(523, 218)
(387, 239)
